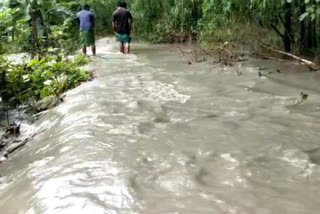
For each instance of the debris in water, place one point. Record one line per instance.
(162, 118)
(261, 68)
(211, 116)
(48, 102)
(314, 155)
(304, 96)
(3, 159)
(276, 71)
(13, 129)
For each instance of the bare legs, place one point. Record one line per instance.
(127, 48)
(84, 50)
(93, 49)
(124, 48)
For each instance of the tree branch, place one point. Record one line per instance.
(277, 30)
(311, 65)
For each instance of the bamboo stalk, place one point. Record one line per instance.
(310, 64)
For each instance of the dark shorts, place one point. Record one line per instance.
(125, 38)
(87, 38)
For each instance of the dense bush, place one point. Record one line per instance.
(14, 32)
(32, 80)
(295, 22)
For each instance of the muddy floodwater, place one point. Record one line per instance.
(155, 135)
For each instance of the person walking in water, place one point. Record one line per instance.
(121, 23)
(86, 21)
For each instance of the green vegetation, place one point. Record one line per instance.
(32, 80)
(293, 25)
(47, 30)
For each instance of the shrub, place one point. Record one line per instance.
(32, 80)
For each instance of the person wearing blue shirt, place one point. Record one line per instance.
(86, 21)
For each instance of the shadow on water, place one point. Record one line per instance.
(101, 57)
(314, 155)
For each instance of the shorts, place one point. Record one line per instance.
(125, 38)
(87, 38)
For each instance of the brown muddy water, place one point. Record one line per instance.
(152, 134)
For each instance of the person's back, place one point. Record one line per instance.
(122, 17)
(121, 23)
(86, 20)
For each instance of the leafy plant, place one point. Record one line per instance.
(37, 79)
(81, 60)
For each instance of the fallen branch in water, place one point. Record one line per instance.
(205, 51)
(262, 56)
(183, 51)
(18, 145)
(15, 144)
(310, 64)
(195, 55)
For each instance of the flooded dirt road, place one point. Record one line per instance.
(155, 135)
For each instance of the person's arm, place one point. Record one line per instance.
(92, 20)
(130, 20)
(114, 25)
(77, 19)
